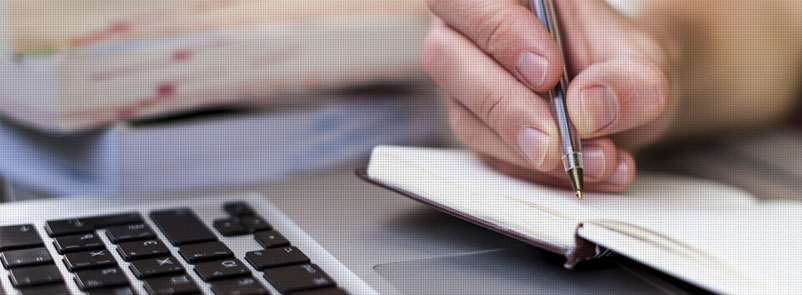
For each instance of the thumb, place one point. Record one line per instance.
(596, 32)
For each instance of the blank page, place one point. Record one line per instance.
(747, 250)
(457, 179)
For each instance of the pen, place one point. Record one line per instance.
(569, 139)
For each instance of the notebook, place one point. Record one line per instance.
(711, 235)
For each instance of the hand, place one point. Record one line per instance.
(492, 57)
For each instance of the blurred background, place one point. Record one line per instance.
(102, 97)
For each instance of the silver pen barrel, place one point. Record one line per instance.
(570, 144)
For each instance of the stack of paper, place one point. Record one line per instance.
(211, 151)
(68, 65)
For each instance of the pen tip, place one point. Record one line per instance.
(579, 195)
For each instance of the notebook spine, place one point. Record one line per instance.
(584, 250)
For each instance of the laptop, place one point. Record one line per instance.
(324, 234)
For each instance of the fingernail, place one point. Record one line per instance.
(533, 144)
(594, 162)
(532, 68)
(620, 175)
(600, 107)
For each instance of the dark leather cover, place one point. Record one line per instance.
(584, 250)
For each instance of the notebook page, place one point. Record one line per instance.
(747, 250)
(456, 178)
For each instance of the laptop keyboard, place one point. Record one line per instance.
(123, 254)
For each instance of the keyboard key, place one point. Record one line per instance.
(215, 270)
(124, 290)
(324, 291)
(298, 277)
(229, 227)
(254, 223)
(88, 224)
(142, 249)
(25, 257)
(271, 239)
(68, 227)
(155, 267)
(205, 252)
(182, 226)
(89, 259)
(238, 209)
(75, 243)
(35, 275)
(18, 237)
(173, 285)
(131, 232)
(100, 278)
(276, 257)
(241, 286)
(51, 289)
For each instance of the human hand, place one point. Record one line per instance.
(492, 57)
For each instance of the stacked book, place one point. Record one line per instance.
(68, 65)
(76, 74)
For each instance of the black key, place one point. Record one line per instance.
(100, 278)
(124, 290)
(155, 267)
(18, 237)
(89, 259)
(173, 285)
(75, 243)
(35, 275)
(276, 257)
(230, 227)
(25, 257)
(271, 239)
(131, 232)
(51, 289)
(324, 291)
(205, 252)
(241, 286)
(142, 249)
(238, 209)
(298, 277)
(215, 270)
(182, 226)
(88, 224)
(254, 223)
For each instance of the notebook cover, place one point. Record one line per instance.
(584, 250)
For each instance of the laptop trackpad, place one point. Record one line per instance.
(520, 270)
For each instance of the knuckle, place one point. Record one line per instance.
(495, 26)
(459, 120)
(491, 107)
(431, 52)
(433, 4)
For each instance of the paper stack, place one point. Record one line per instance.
(68, 65)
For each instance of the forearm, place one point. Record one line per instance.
(735, 65)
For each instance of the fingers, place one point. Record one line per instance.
(621, 177)
(508, 32)
(600, 155)
(616, 96)
(520, 118)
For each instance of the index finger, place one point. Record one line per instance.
(510, 33)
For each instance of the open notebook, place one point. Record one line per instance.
(711, 235)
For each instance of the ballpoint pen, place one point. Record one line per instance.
(569, 139)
